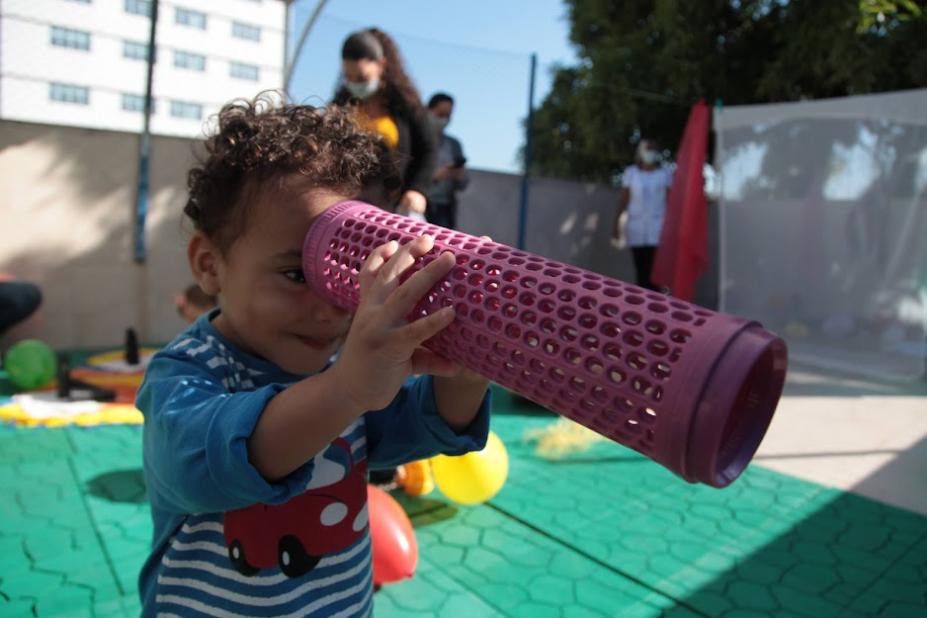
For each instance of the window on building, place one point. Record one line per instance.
(136, 50)
(66, 37)
(185, 109)
(135, 102)
(138, 7)
(246, 31)
(188, 60)
(69, 93)
(244, 71)
(188, 17)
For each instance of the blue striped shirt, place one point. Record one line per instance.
(229, 543)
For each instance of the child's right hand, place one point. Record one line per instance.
(382, 349)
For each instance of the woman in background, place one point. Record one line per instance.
(386, 102)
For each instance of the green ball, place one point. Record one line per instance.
(30, 364)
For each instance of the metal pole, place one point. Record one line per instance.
(144, 150)
(291, 65)
(523, 202)
(286, 42)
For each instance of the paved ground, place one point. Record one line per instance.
(603, 533)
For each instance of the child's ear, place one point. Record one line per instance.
(205, 263)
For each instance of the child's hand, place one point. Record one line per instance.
(382, 349)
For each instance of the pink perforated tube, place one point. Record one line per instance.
(692, 389)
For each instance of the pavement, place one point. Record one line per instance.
(828, 521)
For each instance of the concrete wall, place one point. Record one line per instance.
(66, 205)
(67, 200)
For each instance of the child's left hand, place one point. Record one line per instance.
(382, 348)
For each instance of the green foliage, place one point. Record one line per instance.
(644, 62)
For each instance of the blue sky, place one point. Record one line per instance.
(478, 50)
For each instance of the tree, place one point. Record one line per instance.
(644, 62)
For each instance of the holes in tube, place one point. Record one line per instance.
(610, 330)
(532, 340)
(547, 288)
(681, 316)
(655, 327)
(491, 286)
(587, 302)
(612, 292)
(616, 375)
(572, 356)
(462, 309)
(509, 291)
(513, 331)
(612, 351)
(595, 366)
(637, 361)
(546, 305)
(482, 341)
(587, 320)
(458, 273)
(609, 311)
(566, 296)
(599, 394)
(577, 384)
(624, 405)
(556, 374)
(589, 342)
(529, 282)
(551, 347)
(494, 323)
(477, 264)
(493, 270)
(658, 347)
(548, 326)
(477, 315)
(680, 335)
(475, 297)
(632, 317)
(528, 318)
(518, 357)
(632, 337)
(552, 272)
(510, 310)
(571, 279)
(462, 259)
(516, 261)
(492, 303)
(566, 313)
(648, 416)
(568, 333)
(475, 280)
(526, 298)
(661, 371)
(532, 266)
(537, 366)
(658, 307)
(591, 285)
(510, 275)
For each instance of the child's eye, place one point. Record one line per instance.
(295, 274)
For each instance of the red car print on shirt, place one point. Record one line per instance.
(298, 533)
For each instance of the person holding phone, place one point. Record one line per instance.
(450, 175)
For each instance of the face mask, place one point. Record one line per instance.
(362, 90)
(650, 156)
(441, 123)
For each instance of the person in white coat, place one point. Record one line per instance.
(644, 188)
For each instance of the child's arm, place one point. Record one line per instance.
(382, 349)
(459, 398)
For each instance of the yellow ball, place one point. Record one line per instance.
(475, 477)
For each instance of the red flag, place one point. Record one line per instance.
(682, 254)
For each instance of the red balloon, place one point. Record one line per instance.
(395, 551)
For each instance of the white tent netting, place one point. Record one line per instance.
(824, 227)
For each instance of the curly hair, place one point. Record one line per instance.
(260, 140)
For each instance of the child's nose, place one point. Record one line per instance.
(324, 311)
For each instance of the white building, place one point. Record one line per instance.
(83, 62)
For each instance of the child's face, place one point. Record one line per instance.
(267, 308)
